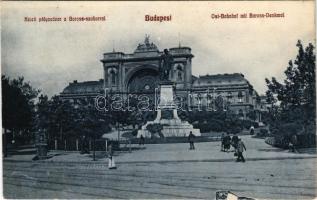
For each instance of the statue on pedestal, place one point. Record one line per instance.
(165, 66)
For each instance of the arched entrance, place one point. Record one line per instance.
(143, 81)
(141, 84)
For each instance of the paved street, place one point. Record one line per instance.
(167, 171)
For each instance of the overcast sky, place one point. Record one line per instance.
(50, 55)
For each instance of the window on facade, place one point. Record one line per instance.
(241, 113)
(113, 77)
(219, 103)
(240, 96)
(229, 95)
(180, 76)
(225, 105)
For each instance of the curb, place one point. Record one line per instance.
(161, 161)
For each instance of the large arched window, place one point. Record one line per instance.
(143, 80)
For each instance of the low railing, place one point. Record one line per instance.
(79, 144)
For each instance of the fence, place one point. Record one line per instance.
(75, 144)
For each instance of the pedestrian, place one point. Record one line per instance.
(142, 140)
(111, 163)
(240, 149)
(227, 141)
(191, 137)
(222, 142)
(293, 143)
(252, 130)
(234, 142)
(110, 151)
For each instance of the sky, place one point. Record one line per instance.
(51, 54)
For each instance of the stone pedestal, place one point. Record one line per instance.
(41, 151)
(166, 96)
(167, 116)
(41, 144)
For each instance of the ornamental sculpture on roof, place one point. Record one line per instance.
(147, 40)
(146, 46)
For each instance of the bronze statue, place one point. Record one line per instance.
(166, 65)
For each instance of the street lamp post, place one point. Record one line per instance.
(90, 122)
(41, 133)
(94, 148)
(118, 127)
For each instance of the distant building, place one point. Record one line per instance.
(137, 73)
(264, 105)
(232, 91)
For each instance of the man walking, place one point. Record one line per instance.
(241, 148)
(191, 137)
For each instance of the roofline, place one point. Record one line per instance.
(135, 59)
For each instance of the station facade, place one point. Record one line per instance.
(137, 74)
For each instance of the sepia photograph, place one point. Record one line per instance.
(158, 100)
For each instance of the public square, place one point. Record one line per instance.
(166, 171)
(138, 84)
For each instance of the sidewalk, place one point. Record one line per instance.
(257, 149)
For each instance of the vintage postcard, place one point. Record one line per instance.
(158, 100)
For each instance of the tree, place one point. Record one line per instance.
(296, 95)
(299, 86)
(18, 106)
(54, 116)
(64, 120)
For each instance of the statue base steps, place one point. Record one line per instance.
(171, 129)
(167, 116)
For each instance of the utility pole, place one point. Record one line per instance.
(94, 150)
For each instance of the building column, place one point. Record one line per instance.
(188, 73)
(105, 76)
